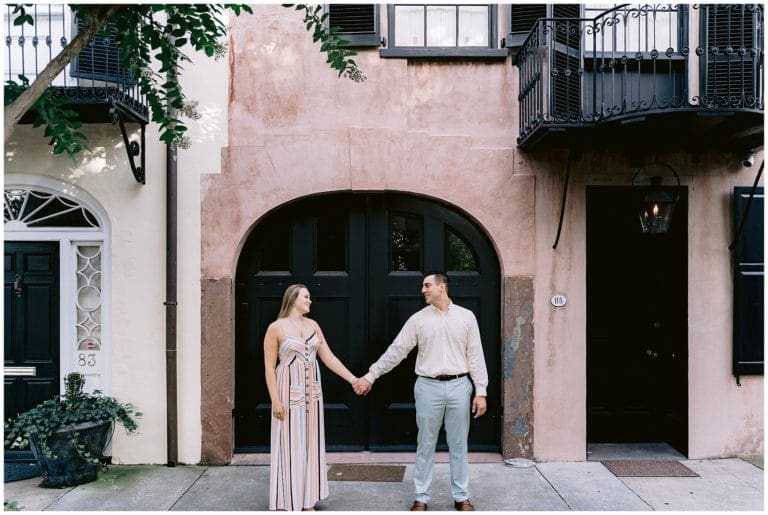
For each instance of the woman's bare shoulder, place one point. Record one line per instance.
(314, 324)
(274, 327)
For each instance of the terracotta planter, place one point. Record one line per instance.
(69, 468)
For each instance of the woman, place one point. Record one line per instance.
(297, 478)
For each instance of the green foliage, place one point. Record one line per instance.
(10, 506)
(152, 35)
(20, 10)
(339, 58)
(74, 407)
(148, 36)
(460, 256)
(146, 39)
(61, 125)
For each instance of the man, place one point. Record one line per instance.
(449, 350)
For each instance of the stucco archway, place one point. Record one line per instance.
(514, 349)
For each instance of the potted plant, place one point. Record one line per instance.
(68, 434)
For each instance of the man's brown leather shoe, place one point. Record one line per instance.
(464, 505)
(419, 506)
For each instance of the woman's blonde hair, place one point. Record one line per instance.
(289, 298)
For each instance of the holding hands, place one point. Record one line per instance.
(361, 386)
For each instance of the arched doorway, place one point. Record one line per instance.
(363, 256)
(57, 276)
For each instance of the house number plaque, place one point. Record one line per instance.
(558, 300)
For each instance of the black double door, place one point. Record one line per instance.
(31, 348)
(637, 345)
(363, 257)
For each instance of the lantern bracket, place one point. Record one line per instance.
(736, 238)
(655, 178)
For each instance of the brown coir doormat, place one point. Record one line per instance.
(355, 472)
(648, 468)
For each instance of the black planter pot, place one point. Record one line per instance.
(69, 468)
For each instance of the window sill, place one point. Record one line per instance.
(444, 53)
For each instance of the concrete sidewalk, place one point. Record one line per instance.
(724, 484)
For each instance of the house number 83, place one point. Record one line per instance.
(86, 359)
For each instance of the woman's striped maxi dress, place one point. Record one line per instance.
(297, 476)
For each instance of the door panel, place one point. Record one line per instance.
(387, 242)
(282, 251)
(636, 322)
(398, 294)
(31, 323)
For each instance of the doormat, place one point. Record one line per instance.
(648, 468)
(18, 470)
(355, 472)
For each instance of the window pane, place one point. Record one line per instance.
(331, 245)
(405, 242)
(409, 25)
(473, 25)
(460, 256)
(441, 25)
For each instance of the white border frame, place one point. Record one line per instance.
(67, 267)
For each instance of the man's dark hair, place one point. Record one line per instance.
(440, 277)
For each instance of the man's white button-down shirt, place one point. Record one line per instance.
(448, 343)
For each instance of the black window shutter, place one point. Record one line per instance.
(566, 11)
(748, 261)
(100, 60)
(358, 23)
(730, 66)
(566, 85)
(522, 19)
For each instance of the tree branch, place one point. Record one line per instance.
(16, 109)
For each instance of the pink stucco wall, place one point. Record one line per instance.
(723, 419)
(447, 130)
(296, 129)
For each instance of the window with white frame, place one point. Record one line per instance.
(442, 30)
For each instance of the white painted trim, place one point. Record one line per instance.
(67, 267)
(32, 234)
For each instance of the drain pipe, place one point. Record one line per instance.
(171, 280)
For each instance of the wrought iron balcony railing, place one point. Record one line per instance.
(630, 63)
(93, 82)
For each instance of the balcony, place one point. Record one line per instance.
(95, 84)
(672, 76)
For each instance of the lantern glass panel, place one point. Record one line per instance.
(655, 216)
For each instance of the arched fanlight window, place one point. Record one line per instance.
(32, 208)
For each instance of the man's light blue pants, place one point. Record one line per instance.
(438, 401)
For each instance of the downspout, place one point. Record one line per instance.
(171, 226)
